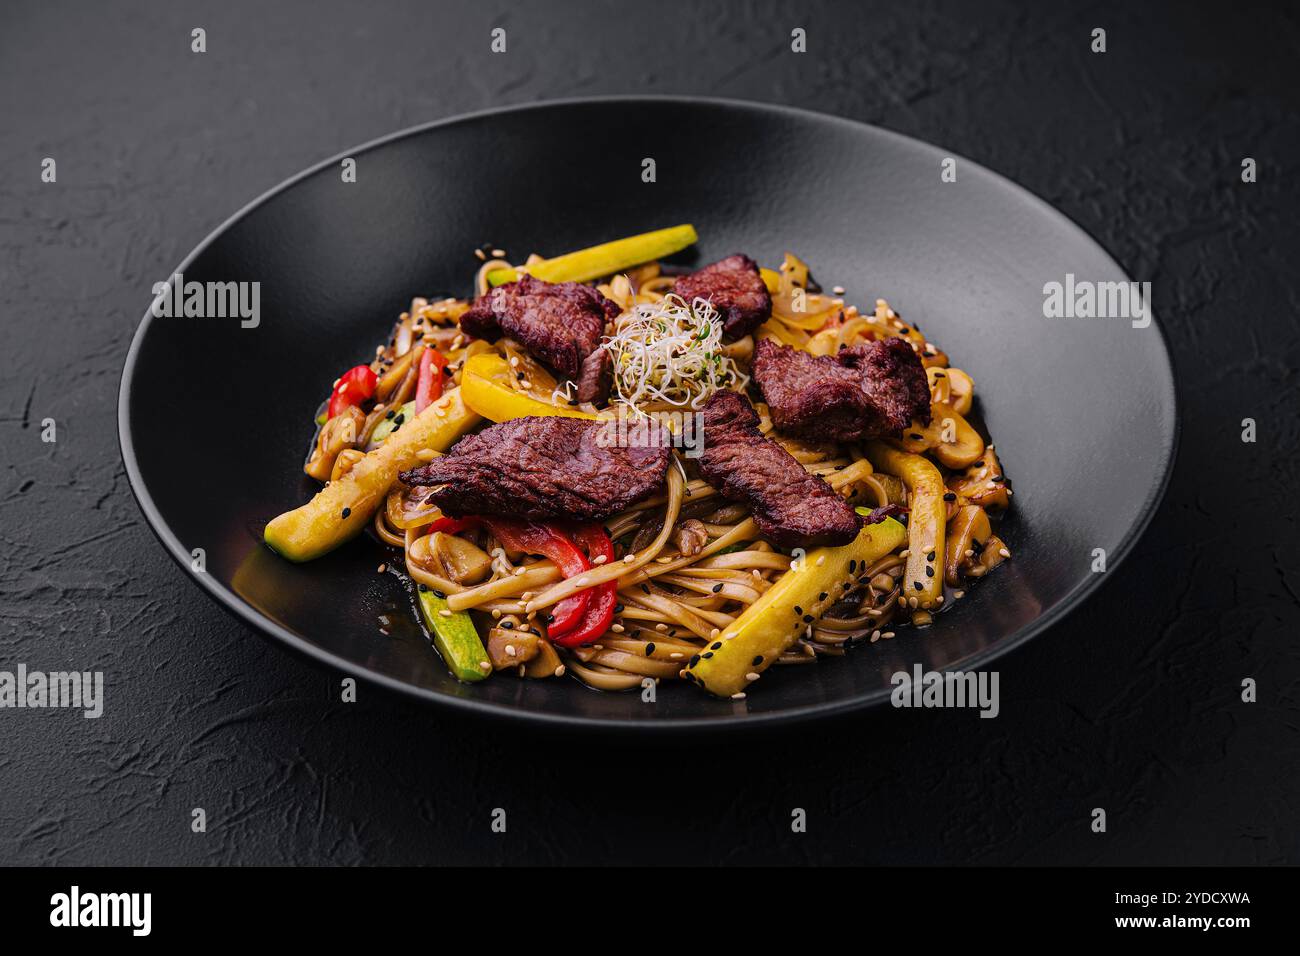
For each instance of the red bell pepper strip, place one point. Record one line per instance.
(428, 388)
(452, 525)
(547, 539)
(355, 386)
(600, 611)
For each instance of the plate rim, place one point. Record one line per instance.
(723, 721)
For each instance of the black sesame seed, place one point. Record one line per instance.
(533, 630)
(950, 497)
(919, 585)
(694, 660)
(757, 660)
(822, 596)
(707, 654)
(347, 512)
(717, 588)
(930, 556)
(439, 595)
(508, 625)
(649, 648)
(807, 618)
(853, 564)
(645, 589)
(997, 478)
(978, 464)
(423, 588)
(798, 609)
(390, 414)
(929, 571)
(618, 609)
(717, 646)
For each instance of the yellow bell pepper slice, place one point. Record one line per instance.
(926, 521)
(605, 259)
(753, 641)
(343, 508)
(485, 382)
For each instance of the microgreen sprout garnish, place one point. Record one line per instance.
(670, 352)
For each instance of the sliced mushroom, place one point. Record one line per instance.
(691, 536)
(464, 562)
(983, 483)
(954, 442)
(969, 529)
(340, 432)
(547, 663)
(511, 647)
(344, 462)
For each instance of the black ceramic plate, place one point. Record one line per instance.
(214, 418)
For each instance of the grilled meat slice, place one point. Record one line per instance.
(559, 323)
(791, 507)
(596, 377)
(541, 468)
(735, 288)
(868, 391)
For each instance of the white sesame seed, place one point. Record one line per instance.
(751, 676)
(629, 558)
(739, 695)
(445, 613)
(661, 627)
(1004, 552)
(485, 665)
(382, 568)
(559, 671)
(510, 649)
(617, 628)
(713, 634)
(676, 656)
(599, 559)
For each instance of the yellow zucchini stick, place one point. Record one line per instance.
(927, 515)
(343, 508)
(605, 259)
(787, 609)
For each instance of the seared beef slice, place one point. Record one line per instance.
(559, 323)
(540, 468)
(735, 288)
(868, 391)
(791, 507)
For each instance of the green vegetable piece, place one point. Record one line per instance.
(455, 637)
(386, 425)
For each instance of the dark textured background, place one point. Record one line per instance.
(1132, 705)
